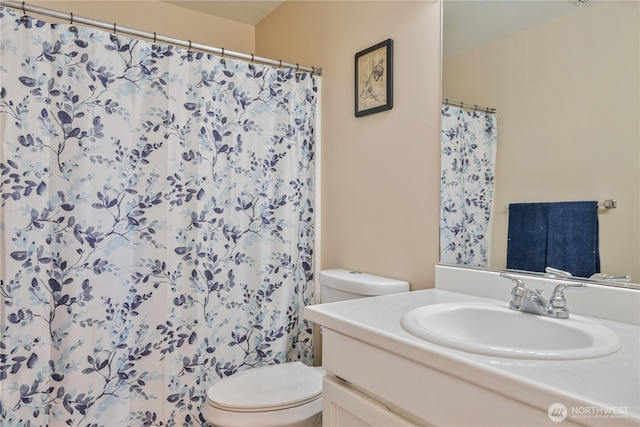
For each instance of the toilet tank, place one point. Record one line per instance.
(340, 285)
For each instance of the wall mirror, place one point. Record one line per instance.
(565, 83)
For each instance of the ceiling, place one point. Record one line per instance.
(466, 23)
(470, 23)
(246, 11)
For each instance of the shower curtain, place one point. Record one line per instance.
(157, 224)
(468, 150)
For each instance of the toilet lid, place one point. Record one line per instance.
(267, 388)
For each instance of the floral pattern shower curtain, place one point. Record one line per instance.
(468, 144)
(157, 224)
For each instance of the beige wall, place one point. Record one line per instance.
(165, 19)
(567, 93)
(380, 173)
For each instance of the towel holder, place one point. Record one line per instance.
(607, 204)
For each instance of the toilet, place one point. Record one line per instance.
(288, 394)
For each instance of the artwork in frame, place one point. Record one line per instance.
(374, 79)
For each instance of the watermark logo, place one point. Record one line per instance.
(557, 412)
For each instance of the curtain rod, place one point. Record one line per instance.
(469, 106)
(22, 6)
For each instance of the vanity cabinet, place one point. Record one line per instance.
(345, 406)
(377, 374)
(370, 386)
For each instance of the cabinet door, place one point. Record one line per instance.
(344, 406)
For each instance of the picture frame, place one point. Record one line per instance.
(374, 79)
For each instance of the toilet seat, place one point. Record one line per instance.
(267, 388)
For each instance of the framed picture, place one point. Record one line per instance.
(374, 79)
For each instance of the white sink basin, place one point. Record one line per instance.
(496, 330)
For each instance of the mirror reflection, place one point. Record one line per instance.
(565, 85)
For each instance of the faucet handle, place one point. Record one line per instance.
(566, 286)
(558, 300)
(518, 292)
(555, 272)
(519, 282)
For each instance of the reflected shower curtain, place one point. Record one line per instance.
(157, 225)
(468, 150)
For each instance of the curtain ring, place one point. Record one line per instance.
(72, 28)
(280, 64)
(114, 38)
(251, 66)
(189, 53)
(154, 45)
(24, 14)
(222, 60)
(297, 67)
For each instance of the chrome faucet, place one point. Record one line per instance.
(532, 301)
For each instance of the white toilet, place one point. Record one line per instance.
(288, 394)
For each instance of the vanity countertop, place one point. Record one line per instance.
(611, 382)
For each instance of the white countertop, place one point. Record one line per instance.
(611, 381)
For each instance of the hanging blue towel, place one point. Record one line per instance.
(562, 235)
(573, 244)
(527, 238)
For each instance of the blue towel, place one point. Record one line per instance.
(527, 238)
(573, 238)
(562, 235)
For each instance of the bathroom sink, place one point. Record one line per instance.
(496, 330)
